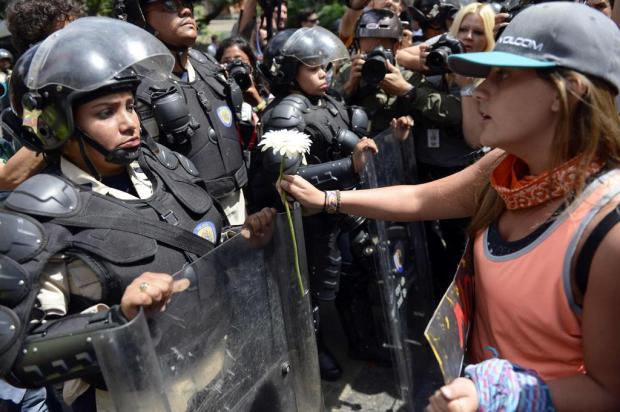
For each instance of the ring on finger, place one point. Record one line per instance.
(143, 286)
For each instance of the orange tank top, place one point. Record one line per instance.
(524, 305)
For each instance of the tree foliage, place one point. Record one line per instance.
(329, 11)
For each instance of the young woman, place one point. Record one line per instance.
(236, 56)
(237, 48)
(543, 210)
(112, 217)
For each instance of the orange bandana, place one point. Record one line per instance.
(520, 190)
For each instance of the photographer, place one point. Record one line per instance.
(354, 10)
(434, 17)
(371, 80)
(237, 57)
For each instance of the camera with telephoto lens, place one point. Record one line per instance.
(375, 66)
(240, 72)
(437, 58)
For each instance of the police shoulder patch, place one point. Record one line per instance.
(225, 115)
(206, 230)
(398, 258)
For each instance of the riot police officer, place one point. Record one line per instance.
(372, 78)
(93, 233)
(194, 112)
(295, 64)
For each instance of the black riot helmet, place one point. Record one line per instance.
(312, 46)
(379, 23)
(278, 70)
(91, 57)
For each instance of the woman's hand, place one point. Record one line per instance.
(152, 291)
(401, 127)
(458, 396)
(258, 227)
(359, 155)
(299, 188)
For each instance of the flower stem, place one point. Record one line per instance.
(292, 230)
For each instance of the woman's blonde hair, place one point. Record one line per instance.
(588, 125)
(487, 15)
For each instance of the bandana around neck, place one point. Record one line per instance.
(520, 191)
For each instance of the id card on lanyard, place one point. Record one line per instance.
(433, 139)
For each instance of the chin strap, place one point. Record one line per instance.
(116, 156)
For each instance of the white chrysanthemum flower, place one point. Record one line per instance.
(288, 143)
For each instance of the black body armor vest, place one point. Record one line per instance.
(117, 239)
(323, 122)
(206, 133)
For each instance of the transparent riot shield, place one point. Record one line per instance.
(401, 264)
(240, 338)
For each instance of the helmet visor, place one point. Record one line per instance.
(315, 46)
(92, 50)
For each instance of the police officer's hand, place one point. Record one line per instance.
(311, 198)
(355, 74)
(258, 227)
(360, 153)
(401, 127)
(458, 396)
(394, 83)
(152, 291)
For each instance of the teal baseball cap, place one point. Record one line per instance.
(550, 35)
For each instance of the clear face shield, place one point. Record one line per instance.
(315, 46)
(83, 57)
(89, 52)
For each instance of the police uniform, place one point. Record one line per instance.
(328, 124)
(86, 241)
(206, 133)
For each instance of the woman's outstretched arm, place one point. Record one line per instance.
(447, 198)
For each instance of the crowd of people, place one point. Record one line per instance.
(127, 154)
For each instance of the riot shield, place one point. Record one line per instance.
(401, 263)
(240, 338)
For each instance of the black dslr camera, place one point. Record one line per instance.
(375, 67)
(437, 59)
(240, 72)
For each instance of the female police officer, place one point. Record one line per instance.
(111, 210)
